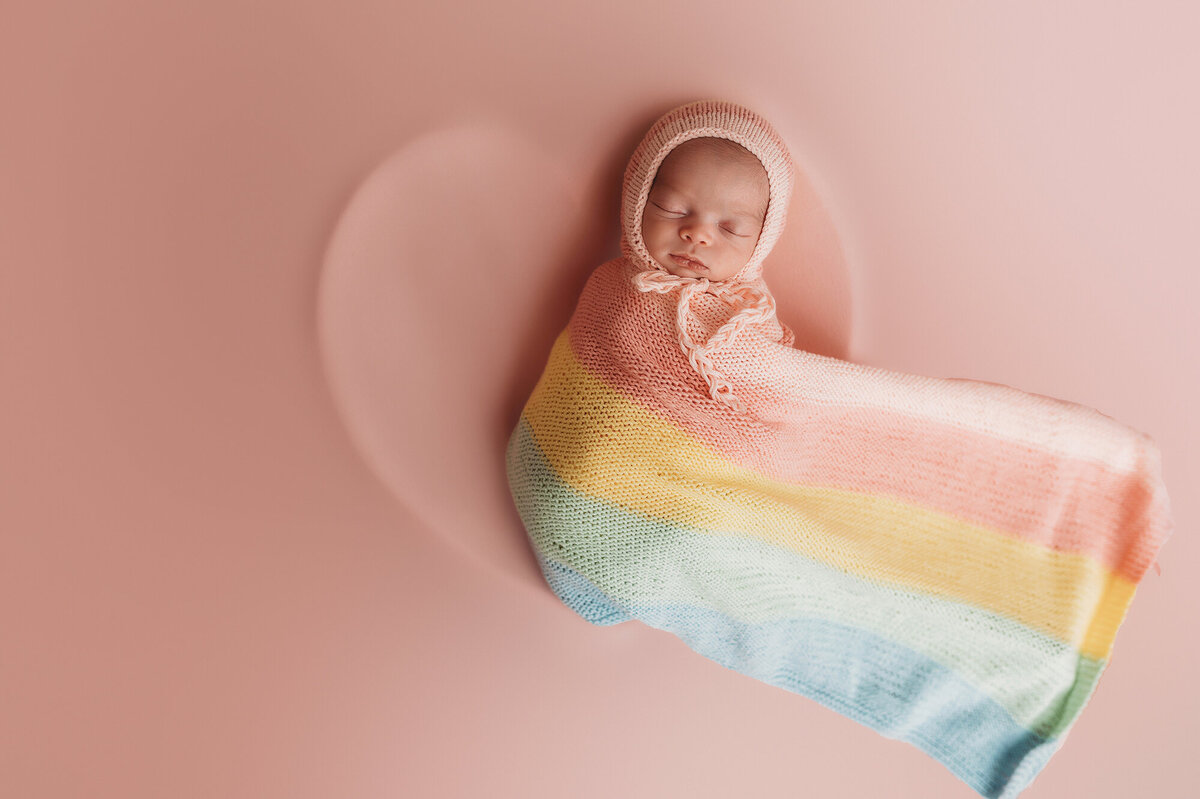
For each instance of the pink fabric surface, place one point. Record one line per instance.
(276, 280)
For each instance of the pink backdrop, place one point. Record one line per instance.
(278, 277)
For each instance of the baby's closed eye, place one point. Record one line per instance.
(728, 227)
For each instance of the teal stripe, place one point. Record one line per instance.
(1042, 682)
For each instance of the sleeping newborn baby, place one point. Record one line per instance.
(944, 560)
(705, 199)
(706, 209)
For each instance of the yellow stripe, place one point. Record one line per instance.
(1098, 641)
(583, 425)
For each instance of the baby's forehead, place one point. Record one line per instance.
(717, 147)
(719, 162)
(716, 157)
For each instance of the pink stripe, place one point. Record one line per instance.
(1017, 489)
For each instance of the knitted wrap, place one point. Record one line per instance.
(746, 291)
(944, 560)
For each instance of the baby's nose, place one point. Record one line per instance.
(696, 232)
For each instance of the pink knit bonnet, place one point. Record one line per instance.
(746, 291)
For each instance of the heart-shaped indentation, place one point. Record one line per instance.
(448, 276)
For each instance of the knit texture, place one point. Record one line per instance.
(942, 559)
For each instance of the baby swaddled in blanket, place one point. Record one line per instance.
(945, 560)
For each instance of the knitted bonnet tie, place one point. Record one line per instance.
(746, 291)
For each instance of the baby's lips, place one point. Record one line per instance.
(689, 258)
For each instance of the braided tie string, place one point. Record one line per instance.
(750, 305)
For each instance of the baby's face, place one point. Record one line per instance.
(706, 204)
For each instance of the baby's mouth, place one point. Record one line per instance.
(689, 263)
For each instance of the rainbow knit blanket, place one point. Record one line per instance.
(942, 559)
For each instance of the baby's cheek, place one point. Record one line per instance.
(650, 230)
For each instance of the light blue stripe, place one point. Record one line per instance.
(874, 681)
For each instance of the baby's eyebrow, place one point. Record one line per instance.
(756, 217)
(753, 217)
